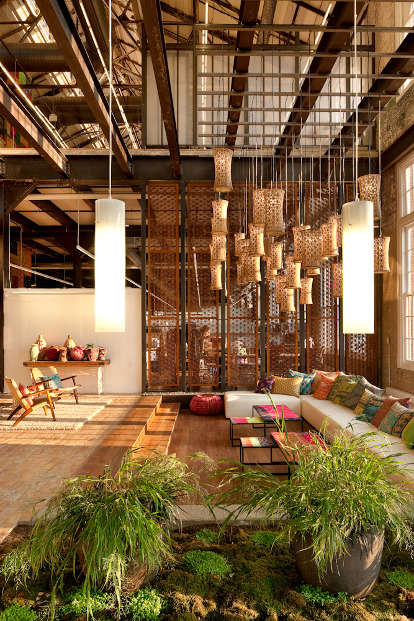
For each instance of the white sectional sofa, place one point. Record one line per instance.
(315, 411)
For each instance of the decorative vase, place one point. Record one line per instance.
(354, 573)
(63, 354)
(102, 353)
(92, 353)
(41, 343)
(34, 352)
(69, 343)
(78, 353)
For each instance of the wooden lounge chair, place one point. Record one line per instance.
(41, 398)
(38, 375)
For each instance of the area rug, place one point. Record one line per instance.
(69, 415)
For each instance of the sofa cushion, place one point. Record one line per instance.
(323, 388)
(319, 375)
(287, 386)
(341, 389)
(239, 403)
(368, 406)
(351, 400)
(307, 379)
(396, 419)
(389, 402)
(264, 383)
(408, 434)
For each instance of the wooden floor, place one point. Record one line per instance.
(33, 463)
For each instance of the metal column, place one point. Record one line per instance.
(144, 347)
(183, 281)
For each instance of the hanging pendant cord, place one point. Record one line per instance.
(356, 100)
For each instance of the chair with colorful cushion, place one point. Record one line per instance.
(54, 382)
(31, 400)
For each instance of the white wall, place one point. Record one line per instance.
(59, 312)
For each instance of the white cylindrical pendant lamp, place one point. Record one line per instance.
(358, 267)
(109, 265)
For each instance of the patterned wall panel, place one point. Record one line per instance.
(242, 300)
(202, 303)
(282, 328)
(163, 285)
(322, 316)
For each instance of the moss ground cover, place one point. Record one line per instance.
(262, 584)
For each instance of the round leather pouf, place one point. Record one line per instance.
(207, 404)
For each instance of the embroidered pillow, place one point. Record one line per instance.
(389, 401)
(352, 400)
(408, 434)
(307, 379)
(264, 383)
(287, 386)
(53, 381)
(323, 388)
(368, 406)
(320, 374)
(396, 419)
(341, 389)
(25, 391)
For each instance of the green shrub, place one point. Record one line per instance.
(402, 578)
(205, 563)
(265, 538)
(146, 604)
(315, 595)
(80, 603)
(206, 535)
(18, 613)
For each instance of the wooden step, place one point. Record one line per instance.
(160, 429)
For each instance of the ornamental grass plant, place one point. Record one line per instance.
(107, 522)
(335, 492)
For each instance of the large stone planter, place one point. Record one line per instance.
(354, 573)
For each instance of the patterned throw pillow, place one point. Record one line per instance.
(320, 374)
(352, 400)
(368, 406)
(389, 401)
(408, 434)
(341, 388)
(25, 391)
(53, 381)
(264, 383)
(287, 386)
(323, 388)
(397, 418)
(307, 379)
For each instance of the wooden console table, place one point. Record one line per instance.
(74, 365)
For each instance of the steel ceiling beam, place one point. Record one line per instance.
(151, 12)
(71, 46)
(330, 45)
(22, 120)
(55, 212)
(249, 12)
(76, 110)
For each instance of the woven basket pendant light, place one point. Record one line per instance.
(276, 255)
(267, 247)
(243, 260)
(313, 271)
(256, 241)
(288, 301)
(329, 239)
(312, 245)
(338, 218)
(369, 190)
(259, 207)
(238, 239)
(298, 241)
(241, 278)
(381, 255)
(337, 274)
(219, 219)
(253, 269)
(274, 224)
(218, 248)
(306, 291)
(216, 270)
(292, 273)
(280, 283)
(222, 165)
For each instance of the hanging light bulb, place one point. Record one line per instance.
(306, 291)
(298, 242)
(338, 218)
(218, 248)
(216, 272)
(381, 255)
(238, 239)
(338, 280)
(280, 283)
(311, 248)
(292, 273)
(274, 224)
(222, 165)
(253, 269)
(330, 239)
(256, 248)
(219, 219)
(259, 207)
(288, 301)
(370, 190)
(358, 267)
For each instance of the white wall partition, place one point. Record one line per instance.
(55, 313)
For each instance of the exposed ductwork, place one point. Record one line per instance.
(33, 57)
(75, 110)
